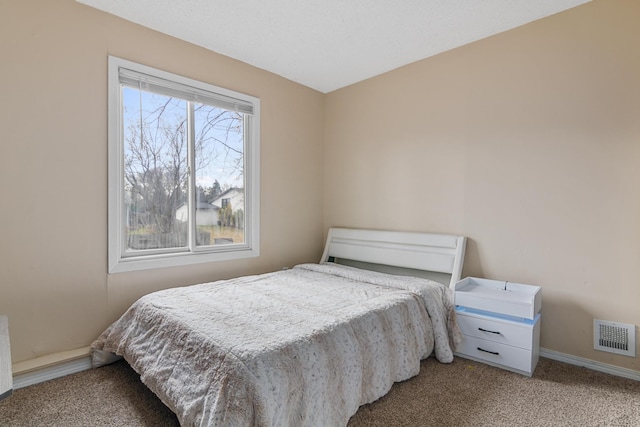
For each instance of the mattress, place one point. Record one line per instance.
(299, 347)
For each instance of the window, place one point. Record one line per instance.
(183, 170)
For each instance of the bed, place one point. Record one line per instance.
(304, 346)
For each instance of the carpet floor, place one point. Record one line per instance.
(463, 393)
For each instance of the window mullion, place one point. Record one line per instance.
(191, 158)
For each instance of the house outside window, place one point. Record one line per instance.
(176, 146)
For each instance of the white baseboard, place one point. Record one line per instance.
(590, 364)
(51, 372)
(84, 363)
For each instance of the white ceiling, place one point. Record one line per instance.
(329, 44)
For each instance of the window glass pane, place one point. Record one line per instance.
(155, 170)
(219, 161)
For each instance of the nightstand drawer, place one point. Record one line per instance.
(497, 354)
(500, 331)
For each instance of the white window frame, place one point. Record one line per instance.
(117, 261)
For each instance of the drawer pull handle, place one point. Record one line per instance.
(491, 332)
(487, 351)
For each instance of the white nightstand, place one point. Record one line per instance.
(500, 322)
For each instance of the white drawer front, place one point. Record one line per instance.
(499, 354)
(510, 333)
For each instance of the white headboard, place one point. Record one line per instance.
(435, 256)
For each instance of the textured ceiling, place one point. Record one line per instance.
(329, 44)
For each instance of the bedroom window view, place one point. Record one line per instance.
(185, 161)
(158, 139)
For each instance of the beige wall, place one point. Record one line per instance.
(528, 142)
(54, 285)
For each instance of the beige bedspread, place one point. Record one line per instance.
(299, 347)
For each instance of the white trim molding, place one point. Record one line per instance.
(6, 376)
(51, 372)
(83, 363)
(590, 364)
(50, 367)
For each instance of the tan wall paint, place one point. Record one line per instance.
(54, 285)
(528, 142)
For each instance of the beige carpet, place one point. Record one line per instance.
(463, 393)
